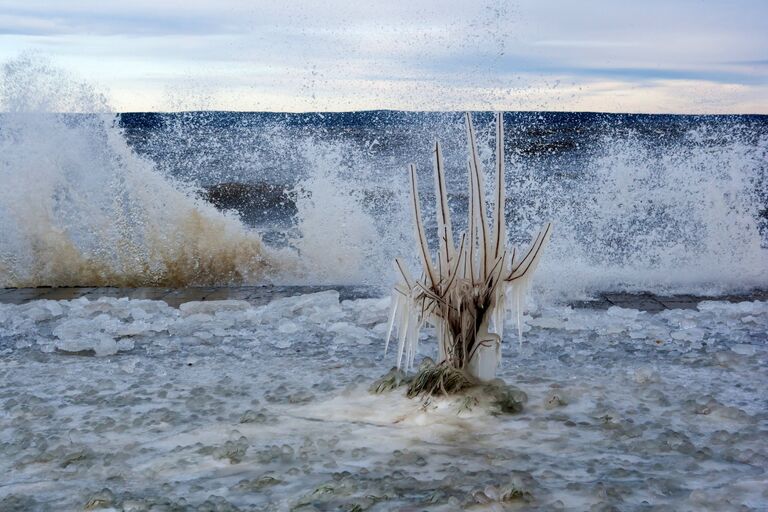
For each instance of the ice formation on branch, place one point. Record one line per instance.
(465, 292)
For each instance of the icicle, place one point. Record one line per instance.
(403, 325)
(396, 298)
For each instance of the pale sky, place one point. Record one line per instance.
(677, 56)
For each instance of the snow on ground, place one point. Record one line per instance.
(134, 405)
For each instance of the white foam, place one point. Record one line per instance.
(172, 395)
(79, 207)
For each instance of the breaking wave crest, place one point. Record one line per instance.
(661, 203)
(79, 207)
(685, 217)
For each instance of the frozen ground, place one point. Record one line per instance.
(226, 406)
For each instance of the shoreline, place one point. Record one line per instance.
(260, 295)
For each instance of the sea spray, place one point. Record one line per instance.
(337, 239)
(80, 207)
(677, 217)
(666, 203)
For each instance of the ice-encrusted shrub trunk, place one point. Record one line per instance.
(465, 292)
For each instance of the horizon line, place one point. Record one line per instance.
(408, 111)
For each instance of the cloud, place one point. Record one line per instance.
(340, 53)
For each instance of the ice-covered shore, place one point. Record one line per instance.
(132, 404)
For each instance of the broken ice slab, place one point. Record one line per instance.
(260, 295)
(642, 301)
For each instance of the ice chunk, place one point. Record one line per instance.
(212, 307)
(133, 328)
(744, 349)
(282, 342)
(102, 344)
(548, 322)
(98, 334)
(316, 308)
(629, 313)
(288, 327)
(138, 313)
(74, 328)
(42, 310)
(645, 376)
(693, 334)
(347, 333)
(368, 312)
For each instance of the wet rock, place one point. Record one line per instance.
(509, 399)
(102, 499)
(425, 363)
(508, 493)
(234, 451)
(402, 458)
(66, 456)
(18, 503)
(284, 453)
(335, 495)
(555, 399)
(393, 379)
(675, 441)
(251, 416)
(216, 504)
(256, 484)
(300, 397)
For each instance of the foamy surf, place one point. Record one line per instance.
(225, 406)
(94, 199)
(78, 206)
(670, 204)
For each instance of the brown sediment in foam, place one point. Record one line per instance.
(202, 250)
(211, 254)
(80, 208)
